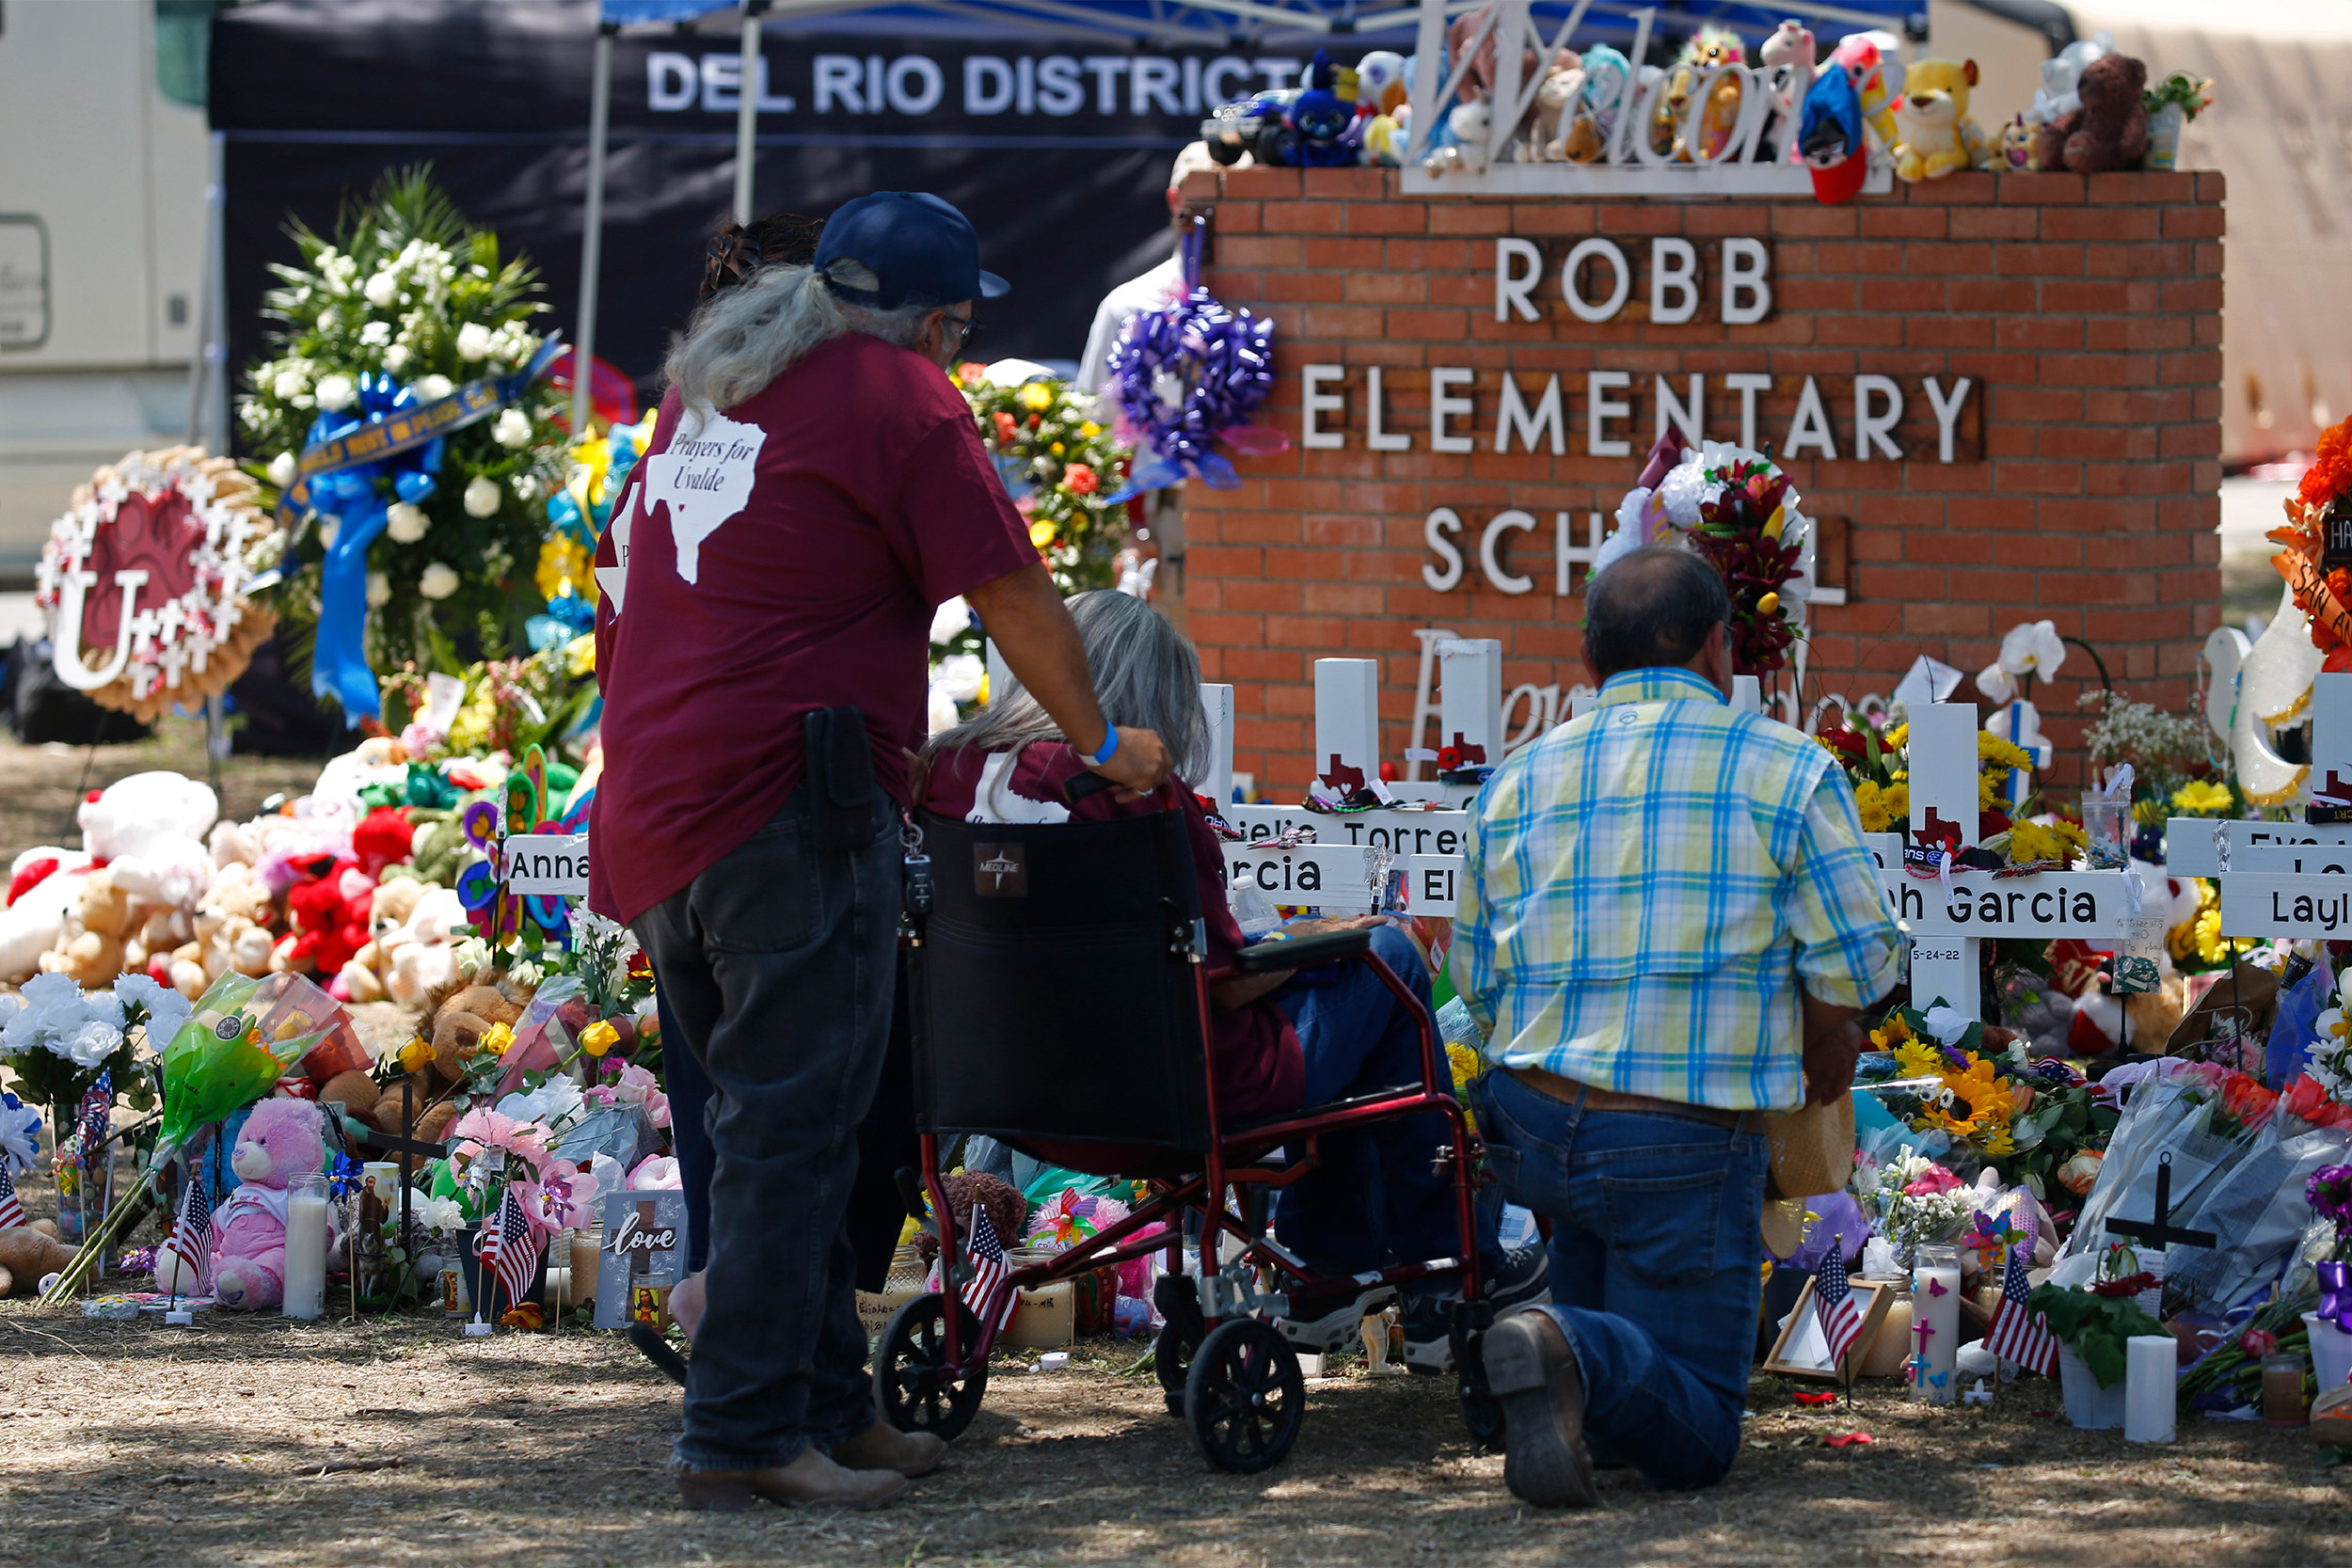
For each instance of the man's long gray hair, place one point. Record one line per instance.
(743, 337)
(1146, 677)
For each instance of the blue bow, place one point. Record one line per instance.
(355, 498)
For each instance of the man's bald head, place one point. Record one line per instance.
(1653, 607)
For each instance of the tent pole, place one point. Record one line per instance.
(592, 232)
(747, 114)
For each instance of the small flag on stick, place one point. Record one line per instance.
(191, 1239)
(989, 1269)
(2016, 1334)
(11, 1211)
(510, 1252)
(1833, 1303)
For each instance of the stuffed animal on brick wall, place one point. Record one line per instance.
(1382, 86)
(1324, 115)
(1791, 51)
(1584, 137)
(29, 1252)
(1876, 81)
(1556, 97)
(282, 1140)
(1937, 136)
(1467, 152)
(1708, 48)
(2109, 130)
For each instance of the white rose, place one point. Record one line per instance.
(382, 289)
(525, 486)
(431, 388)
(408, 524)
(439, 582)
(473, 341)
(90, 1044)
(379, 590)
(335, 392)
(513, 429)
(395, 357)
(952, 619)
(942, 712)
(289, 384)
(482, 496)
(959, 675)
(282, 470)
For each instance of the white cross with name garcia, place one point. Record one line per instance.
(1944, 930)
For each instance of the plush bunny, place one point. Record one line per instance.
(282, 1140)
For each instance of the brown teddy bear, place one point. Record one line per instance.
(27, 1252)
(2110, 131)
(90, 947)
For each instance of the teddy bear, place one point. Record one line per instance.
(1467, 152)
(282, 1140)
(145, 813)
(363, 978)
(327, 918)
(382, 838)
(1556, 98)
(44, 890)
(419, 957)
(231, 931)
(1708, 49)
(28, 1254)
(1937, 136)
(90, 946)
(2109, 130)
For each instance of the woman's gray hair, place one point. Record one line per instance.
(743, 337)
(1146, 677)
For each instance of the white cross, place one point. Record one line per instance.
(143, 627)
(2271, 884)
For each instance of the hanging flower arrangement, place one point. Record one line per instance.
(402, 307)
(1061, 466)
(2314, 557)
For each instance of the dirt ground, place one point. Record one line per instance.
(126, 1444)
(135, 1444)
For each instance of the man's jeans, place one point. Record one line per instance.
(1657, 1248)
(776, 964)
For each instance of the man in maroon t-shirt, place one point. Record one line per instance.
(814, 487)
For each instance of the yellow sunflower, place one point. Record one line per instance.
(1979, 1102)
(1894, 1032)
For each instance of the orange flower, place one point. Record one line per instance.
(1005, 428)
(2330, 473)
(1081, 480)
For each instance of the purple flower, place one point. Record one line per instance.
(2330, 1192)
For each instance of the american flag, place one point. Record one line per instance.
(510, 1251)
(2016, 1334)
(11, 1211)
(1833, 1303)
(192, 1232)
(989, 1269)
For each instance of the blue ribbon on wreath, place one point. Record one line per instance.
(1188, 377)
(385, 435)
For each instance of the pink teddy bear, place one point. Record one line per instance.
(283, 1139)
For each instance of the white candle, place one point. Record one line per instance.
(306, 1247)
(2150, 1387)
(1935, 1323)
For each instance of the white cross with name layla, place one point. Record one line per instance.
(2285, 879)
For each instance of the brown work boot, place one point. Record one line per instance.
(811, 1480)
(1532, 1370)
(884, 1447)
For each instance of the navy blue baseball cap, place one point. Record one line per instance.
(920, 248)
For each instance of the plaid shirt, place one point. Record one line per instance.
(1644, 887)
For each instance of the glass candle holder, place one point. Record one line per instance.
(1934, 1322)
(2283, 1405)
(2107, 827)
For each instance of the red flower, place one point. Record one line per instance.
(1005, 428)
(1844, 742)
(1081, 480)
(2330, 473)
(2255, 1342)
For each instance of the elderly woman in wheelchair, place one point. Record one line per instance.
(1281, 1040)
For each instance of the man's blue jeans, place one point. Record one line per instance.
(776, 966)
(1657, 1248)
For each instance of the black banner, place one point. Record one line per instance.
(1057, 147)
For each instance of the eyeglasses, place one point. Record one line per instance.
(967, 329)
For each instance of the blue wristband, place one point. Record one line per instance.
(1110, 749)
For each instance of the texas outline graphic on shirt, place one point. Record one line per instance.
(705, 478)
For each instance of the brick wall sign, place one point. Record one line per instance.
(1998, 393)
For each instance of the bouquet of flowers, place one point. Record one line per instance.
(2322, 1094)
(407, 300)
(2096, 1321)
(1912, 1201)
(2322, 592)
(1061, 466)
(62, 1039)
(959, 667)
(1877, 762)
(510, 705)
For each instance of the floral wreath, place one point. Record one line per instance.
(2322, 592)
(184, 632)
(1737, 509)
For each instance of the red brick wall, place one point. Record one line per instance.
(2087, 310)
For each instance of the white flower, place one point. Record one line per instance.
(2033, 648)
(525, 974)
(942, 713)
(379, 590)
(395, 357)
(513, 429)
(431, 388)
(438, 581)
(482, 496)
(289, 383)
(1681, 491)
(408, 523)
(440, 1215)
(960, 675)
(20, 1134)
(336, 392)
(497, 561)
(282, 470)
(952, 619)
(376, 335)
(472, 956)
(553, 1104)
(165, 1009)
(1947, 1025)
(330, 319)
(473, 341)
(90, 1044)
(525, 486)
(1995, 683)
(382, 288)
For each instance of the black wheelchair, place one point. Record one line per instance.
(1061, 1003)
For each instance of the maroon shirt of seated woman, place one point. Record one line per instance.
(1260, 1071)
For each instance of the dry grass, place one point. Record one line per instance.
(137, 1444)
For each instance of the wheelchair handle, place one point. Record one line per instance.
(1264, 957)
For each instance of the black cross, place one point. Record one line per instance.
(2159, 1230)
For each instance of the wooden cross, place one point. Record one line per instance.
(2158, 1230)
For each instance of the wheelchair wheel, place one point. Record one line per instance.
(913, 1388)
(1245, 1396)
(1181, 1331)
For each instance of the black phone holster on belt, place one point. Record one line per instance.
(838, 775)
